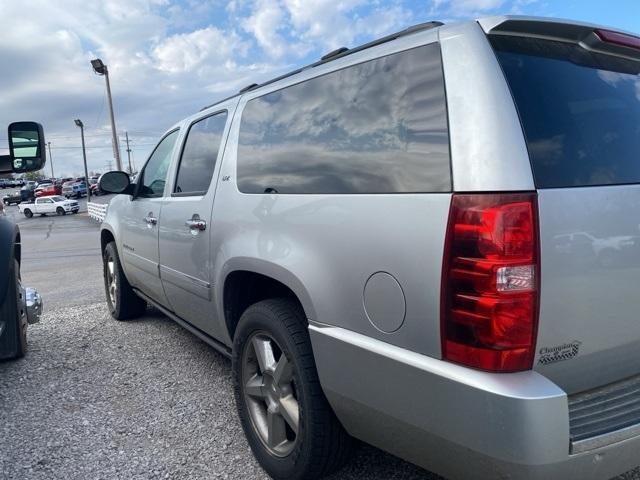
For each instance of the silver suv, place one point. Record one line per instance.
(430, 243)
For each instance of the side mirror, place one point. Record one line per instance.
(26, 147)
(116, 182)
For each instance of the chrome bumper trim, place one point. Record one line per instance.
(33, 305)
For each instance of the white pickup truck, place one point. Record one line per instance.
(51, 204)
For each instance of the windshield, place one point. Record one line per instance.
(58, 199)
(580, 111)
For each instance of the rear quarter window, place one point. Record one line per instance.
(375, 127)
(580, 111)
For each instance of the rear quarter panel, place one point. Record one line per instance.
(325, 248)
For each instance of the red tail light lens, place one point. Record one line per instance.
(490, 282)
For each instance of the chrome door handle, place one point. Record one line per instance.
(150, 219)
(196, 225)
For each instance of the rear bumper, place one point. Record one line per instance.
(455, 421)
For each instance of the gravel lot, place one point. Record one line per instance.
(96, 398)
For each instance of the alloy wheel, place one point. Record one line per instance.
(112, 283)
(270, 394)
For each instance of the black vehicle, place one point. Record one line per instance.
(27, 193)
(14, 197)
(19, 306)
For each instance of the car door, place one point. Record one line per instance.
(185, 256)
(139, 222)
(44, 205)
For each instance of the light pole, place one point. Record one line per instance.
(101, 69)
(84, 156)
(51, 160)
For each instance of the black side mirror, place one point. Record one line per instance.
(26, 147)
(116, 182)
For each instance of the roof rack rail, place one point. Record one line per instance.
(334, 53)
(248, 87)
(339, 53)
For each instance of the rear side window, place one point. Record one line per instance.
(580, 111)
(199, 155)
(376, 127)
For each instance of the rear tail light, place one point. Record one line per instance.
(490, 281)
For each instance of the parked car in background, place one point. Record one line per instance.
(74, 189)
(371, 240)
(50, 204)
(27, 192)
(12, 198)
(47, 190)
(3, 183)
(95, 189)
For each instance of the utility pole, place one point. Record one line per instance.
(84, 156)
(126, 135)
(101, 69)
(51, 160)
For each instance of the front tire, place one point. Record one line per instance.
(28, 213)
(285, 416)
(122, 301)
(60, 211)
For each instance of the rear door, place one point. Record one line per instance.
(186, 225)
(139, 222)
(580, 112)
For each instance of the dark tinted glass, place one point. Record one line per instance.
(376, 127)
(580, 112)
(154, 175)
(199, 155)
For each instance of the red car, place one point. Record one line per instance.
(48, 190)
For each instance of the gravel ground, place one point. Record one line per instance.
(96, 398)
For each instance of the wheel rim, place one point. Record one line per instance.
(112, 283)
(270, 394)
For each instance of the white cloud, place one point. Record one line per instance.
(334, 24)
(184, 52)
(264, 23)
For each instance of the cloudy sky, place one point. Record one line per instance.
(167, 58)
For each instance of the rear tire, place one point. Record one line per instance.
(13, 343)
(28, 213)
(286, 418)
(122, 301)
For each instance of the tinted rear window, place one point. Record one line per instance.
(375, 127)
(580, 111)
